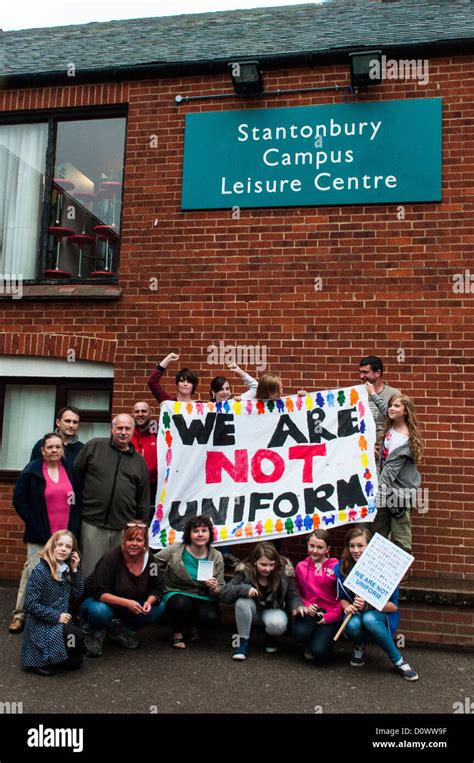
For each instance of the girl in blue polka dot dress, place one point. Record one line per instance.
(50, 639)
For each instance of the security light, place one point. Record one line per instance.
(247, 78)
(366, 68)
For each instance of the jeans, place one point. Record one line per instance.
(98, 615)
(372, 625)
(318, 638)
(275, 621)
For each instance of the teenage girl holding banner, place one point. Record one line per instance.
(365, 622)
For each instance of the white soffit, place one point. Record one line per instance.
(55, 367)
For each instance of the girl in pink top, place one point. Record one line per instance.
(316, 583)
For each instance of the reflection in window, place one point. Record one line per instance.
(86, 199)
(29, 406)
(88, 430)
(89, 399)
(28, 409)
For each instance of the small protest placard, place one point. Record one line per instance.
(378, 571)
(205, 569)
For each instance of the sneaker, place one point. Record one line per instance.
(240, 652)
(93, 644)
(308, 655)
(358, 656)
(407, 672)
(118, 632)
(270, 645)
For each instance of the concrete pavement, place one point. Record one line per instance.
(204, 679)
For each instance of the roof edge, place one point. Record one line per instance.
(162, 69)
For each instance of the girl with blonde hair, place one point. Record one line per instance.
(50, 638)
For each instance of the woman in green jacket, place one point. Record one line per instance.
(192, 588)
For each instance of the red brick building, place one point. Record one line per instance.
(91, 141)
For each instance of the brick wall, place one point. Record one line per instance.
(387, 284)
(436, 625)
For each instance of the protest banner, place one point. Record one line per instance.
(265, 469)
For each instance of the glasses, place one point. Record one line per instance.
(136, 524)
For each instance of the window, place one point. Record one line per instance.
(61, 184)
(28, 407)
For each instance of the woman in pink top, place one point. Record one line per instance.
(47, 500)
(58, 489)
(316, 583)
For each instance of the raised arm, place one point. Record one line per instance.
(154, 382)
(251, 383)
(376, 399)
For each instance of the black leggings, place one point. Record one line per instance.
(185, 611)
(74, 643)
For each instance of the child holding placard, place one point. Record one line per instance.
(316, 583)
(366, 622)
(262, 590)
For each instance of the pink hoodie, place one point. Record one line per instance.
(319, 587)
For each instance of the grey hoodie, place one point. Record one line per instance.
(240, 585)
(399, 477)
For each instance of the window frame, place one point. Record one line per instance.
(51, 118)
(63, 385)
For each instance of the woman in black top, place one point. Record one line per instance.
(123, 593)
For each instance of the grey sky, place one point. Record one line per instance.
(27, 14)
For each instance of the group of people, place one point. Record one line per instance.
(399, 445)
(102, 493)
(131, 587)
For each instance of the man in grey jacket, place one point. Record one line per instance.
(115, 490)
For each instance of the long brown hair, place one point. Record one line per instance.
(347, 561)
(411, 420)
(264, 548)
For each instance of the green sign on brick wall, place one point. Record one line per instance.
(359, 153)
